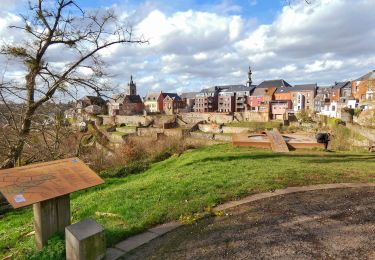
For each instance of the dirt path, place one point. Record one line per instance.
(326, 224)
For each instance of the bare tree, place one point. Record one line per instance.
(50, 26)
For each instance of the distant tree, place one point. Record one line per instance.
(49, 26)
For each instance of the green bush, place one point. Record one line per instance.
(54, 250)
(332, 122)
(303, 116)
(357, 111)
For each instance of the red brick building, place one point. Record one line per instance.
(207, 100)
(172, 103)
(363, 88)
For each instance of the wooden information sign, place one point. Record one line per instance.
(47, 186)
(27, 185)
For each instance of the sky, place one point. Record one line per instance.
(197, 44)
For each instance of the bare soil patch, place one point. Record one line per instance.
(325, 224)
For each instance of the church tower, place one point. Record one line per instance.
(131, 89)
(250, 81)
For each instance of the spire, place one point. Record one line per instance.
(250, 81)
(131, 88)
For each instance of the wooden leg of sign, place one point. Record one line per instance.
(50, 216)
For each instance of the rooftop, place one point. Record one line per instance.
(278, 83)
(368, 76)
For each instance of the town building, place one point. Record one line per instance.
(87, 101)
(207, 100)
(265, 92)
(279, 109)
(339, 90)
(172, 103)
(321, 100)
(303, 97)
(232, 98)
(151, 102)
(127, 103)
(330, 109)
(189, 101)
(363, 88)
(226, 101)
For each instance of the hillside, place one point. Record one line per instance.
(192, 182)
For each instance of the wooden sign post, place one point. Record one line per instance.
(47, 186)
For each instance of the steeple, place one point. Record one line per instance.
(250, 81)
(131, 88)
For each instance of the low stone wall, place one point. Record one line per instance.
(161, 120)
(201, 135)
(150, 132)
(126, 130)
(210, 128)
(220, 118)
(223, 138)
(193, 118)
(365, 131)
(235, 130)
(211, 136)
(178, 132)
(108, 120)
(366, 118)
(131, 120)
(253, 116)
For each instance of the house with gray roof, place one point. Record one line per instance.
(363, 88)
(303, 97)
(189, 100)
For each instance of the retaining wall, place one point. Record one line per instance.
(362, 130)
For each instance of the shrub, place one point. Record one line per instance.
(357, 111)
(303, 116)
(54, 250)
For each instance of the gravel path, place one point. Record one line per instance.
(325, 224)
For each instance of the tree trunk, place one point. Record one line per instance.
(14, 157)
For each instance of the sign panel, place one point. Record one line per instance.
(27, 185)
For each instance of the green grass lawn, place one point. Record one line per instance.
(190, 183)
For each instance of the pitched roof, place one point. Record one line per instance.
(278, 83)
(133, 99)
(305, 87)
(342, 84)
(235, 88)
(119, 98)
(189, 95)
(94, 99)
(368, 76)
(151, 96)
(209, 90)
(173, 96)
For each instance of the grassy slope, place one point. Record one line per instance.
(190, 183)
